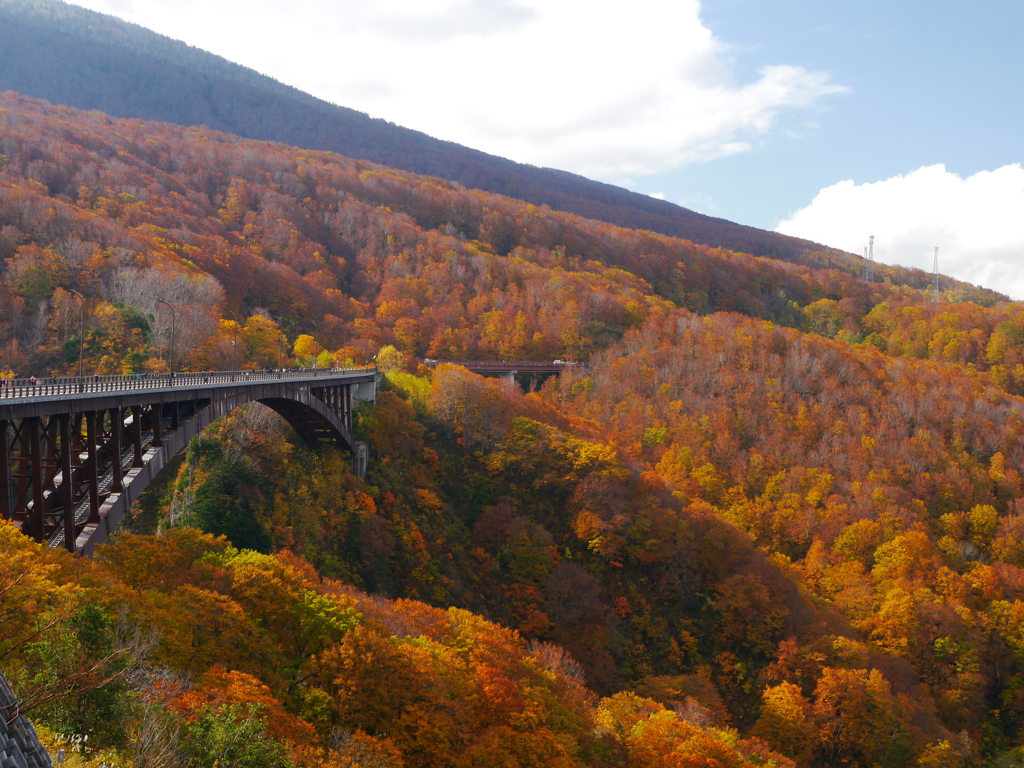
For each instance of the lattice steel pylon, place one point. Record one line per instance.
(869, 261)
(935, 275)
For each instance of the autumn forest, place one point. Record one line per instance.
(771, 514)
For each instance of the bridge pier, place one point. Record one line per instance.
(67, 485)
(34, 466)
(361, 459)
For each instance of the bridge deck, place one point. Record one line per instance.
(64, 387)
(504, 366)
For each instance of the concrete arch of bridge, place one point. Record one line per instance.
(313, 421)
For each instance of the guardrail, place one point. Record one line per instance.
(521, 366)
(54, 386)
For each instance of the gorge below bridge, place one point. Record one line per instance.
(77, 452)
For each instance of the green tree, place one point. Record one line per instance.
(233, 736)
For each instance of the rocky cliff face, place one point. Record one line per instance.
(19, 744)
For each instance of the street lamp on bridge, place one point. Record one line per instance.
(316, 343)
(282, 340)
(170, 361)
(234, 341)
(81, 337)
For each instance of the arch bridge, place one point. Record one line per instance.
(529, 373)
(76, 452)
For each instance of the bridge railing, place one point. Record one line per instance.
(518, 365)
(55, 386)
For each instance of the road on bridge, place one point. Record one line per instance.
(61, 386)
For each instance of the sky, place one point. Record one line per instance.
(832, 120)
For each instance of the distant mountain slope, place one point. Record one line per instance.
(72, 56)
(378, 256)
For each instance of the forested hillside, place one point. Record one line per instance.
(72, 56)
(772, 517)
(130, 212)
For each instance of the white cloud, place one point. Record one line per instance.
(603, 88)
(977, 222)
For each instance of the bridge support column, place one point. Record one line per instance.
(361, 459)
(24, 473)
(116, 431)
(157, 414)
(347, 416)
(365, 392)
(35, 462)
(76, 438)
(93, 466)
(67, 486)
(136, 411)
(5, 472)
(50, 464)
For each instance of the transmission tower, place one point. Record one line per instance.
(935, 275)
(869, 260)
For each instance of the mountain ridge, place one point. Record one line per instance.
(80, 58)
